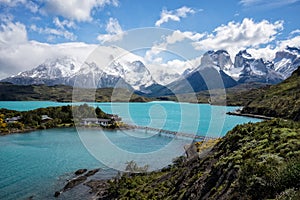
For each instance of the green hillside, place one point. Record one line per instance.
(282, 100)
(253, 161)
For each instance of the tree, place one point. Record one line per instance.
(100, 113)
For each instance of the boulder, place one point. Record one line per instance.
(57, 193)
(91, 172)
(74, 182)
(80, 171)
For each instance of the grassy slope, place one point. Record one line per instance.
(251, 162)
(282, 100)
(62, 93)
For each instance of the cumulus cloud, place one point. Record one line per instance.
(174, 15)
(12, 33)
(114, 32)
(176, 36)
(76, 9)
(236, 36)
(19, 54)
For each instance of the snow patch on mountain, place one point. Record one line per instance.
(51, 69)
(287, 61)
(220, 60)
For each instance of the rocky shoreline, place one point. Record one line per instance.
(99, 187)
(239, 113)
(81, 175)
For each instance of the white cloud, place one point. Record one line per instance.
(176, 37)
(32, 6)
(151, 55)
(236, 36)
(12, 33)
(76, 9)
(12, 3)
(19, 54)
(269, 52)
(294, 32)
(53, 33)
(15, 59)
(174, 15)
(59, 32)
(292, 42)
(6, 17)
(114, 32)
(64, 23)
(264, 3)
(173, 69)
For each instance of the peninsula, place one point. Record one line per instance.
(12, 121)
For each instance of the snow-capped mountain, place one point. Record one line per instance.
(287, 61)
(106, 67)
(248, 69)
(220, 60)
(51, 72)
(208, 75)
(59, 67)
(115, 67)
(115, 61)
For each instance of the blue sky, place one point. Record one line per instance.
(41, 28)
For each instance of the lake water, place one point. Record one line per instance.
(38, 163)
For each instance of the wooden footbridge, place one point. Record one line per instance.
(172, 133)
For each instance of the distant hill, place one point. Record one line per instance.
(63, 93)
(282, 100)
(238, 95)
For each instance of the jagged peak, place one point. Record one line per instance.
(218, 52)
(222, 52)
(244, 54)
(293, 49)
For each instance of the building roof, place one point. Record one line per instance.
(46, 117)
(13, 118)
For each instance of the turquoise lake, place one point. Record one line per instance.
(38, 163)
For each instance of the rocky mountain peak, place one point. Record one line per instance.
(287, 61)
(219, 59)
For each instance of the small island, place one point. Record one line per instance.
(12, 121)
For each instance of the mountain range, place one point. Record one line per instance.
(116, 67)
